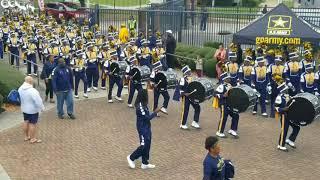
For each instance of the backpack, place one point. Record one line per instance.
(229, 169)
(14, 97)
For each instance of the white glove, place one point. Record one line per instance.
(269, 88)
(316, 93)
(290, 84)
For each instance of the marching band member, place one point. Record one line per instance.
(157, 90)
(46, 75)
(70, 35)
(282, 108)
(143, 54)
(307, 60)
(65, 51)
(181, 89)
(92, 67)
(308, 80)
(133, 84)
(293, 74)
(276, 69)
(79, 67)
(103, 56)
(245, 71)
(14, 44)
(260, 82)
(225, 110)
(53, 51)
(114, 78)
(233, 68)
(5, 36)
(24, 41)
(31, 56)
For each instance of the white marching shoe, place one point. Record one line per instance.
(282, 148)
(130, 162)
(254, 112)
(264, 114)
(183, 126)
(290, 143)
(88, 90)
(110, 101)
(119, 98)
(221, 135)
(103, 88)
(76, 96)
(85, 95)
(233, 133)
(130, 105)
(164, 110)
(195, 125)
(147, 166)
(95, 88)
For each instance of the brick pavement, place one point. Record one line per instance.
(95, 146)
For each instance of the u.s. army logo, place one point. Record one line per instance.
(279, 25)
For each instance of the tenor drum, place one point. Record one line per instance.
(304, 109)
(241, 97)
(168, 79)
(204, 90)
(118, 67)
(140, 73)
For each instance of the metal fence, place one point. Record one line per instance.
(195, 27)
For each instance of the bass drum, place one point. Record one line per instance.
(140, 73)
(118, 67)
(304, 109)
(168, 79)
(204, 90)
(241, 97)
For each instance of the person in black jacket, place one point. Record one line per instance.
(144, 130)
(46, 76)
(171, 45)
(239, 55)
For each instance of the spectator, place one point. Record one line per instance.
(239, 55)
(221, 56)
(62, 84)
(204, 18)
(124, 34)
(46, 75)
(171, 45)
(132, 24)
(265, 9)
(213, 164)
(139, 39)
(199, 66)
(31, 106)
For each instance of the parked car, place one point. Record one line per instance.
(58, 10)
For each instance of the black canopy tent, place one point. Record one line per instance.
(279, 26)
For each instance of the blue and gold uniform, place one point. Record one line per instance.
(245, 71)
(281, 108)
(260, 81)
(293, 74)
(65, 51)
(181, 91)
(14, 44)
(114, 78)
(157, 91)
(144, 54)
(233, 68)
(275, 70)
(308, 80)
(79, 67)
(225, 110)
(103, 56)
(92, 68)
(133, 85)
(31, 56)
(306, 61)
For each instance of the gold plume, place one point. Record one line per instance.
(249, 52)
(233, 47)
(307, 46)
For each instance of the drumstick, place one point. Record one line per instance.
(113, 70)
(158, 82)
(193, 92)
(134, 74)
(291, 102)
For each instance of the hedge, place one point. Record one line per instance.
(1, 103)
(10, 79)
(191, 53)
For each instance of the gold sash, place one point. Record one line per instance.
(310, 78)
(55, 51)
(277, 70)
(294, 67)
(233, 68)
(247, 70)
(65, 50)
(261, 72)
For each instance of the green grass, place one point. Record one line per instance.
(10, 79)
